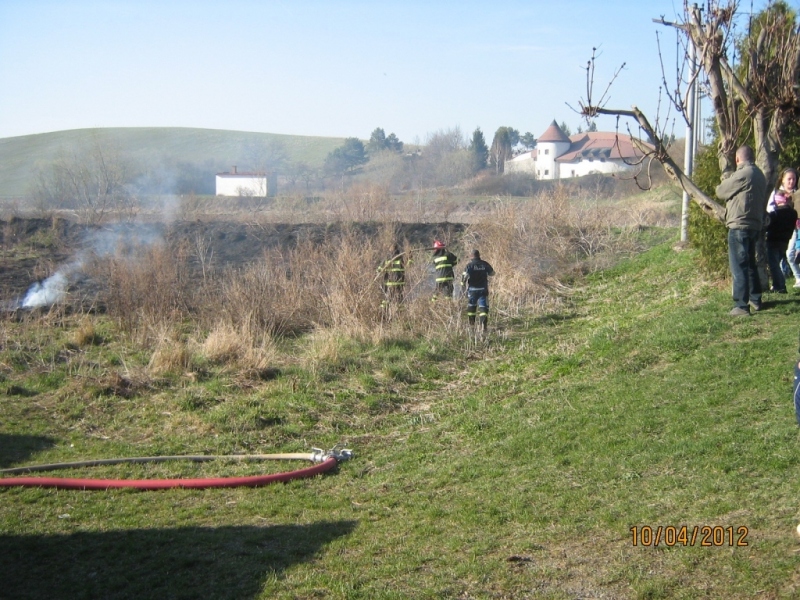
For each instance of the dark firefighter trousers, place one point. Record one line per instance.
(478, 304)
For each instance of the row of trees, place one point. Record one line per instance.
(353, 154)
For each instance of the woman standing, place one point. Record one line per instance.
(781, 228)
(787, 184)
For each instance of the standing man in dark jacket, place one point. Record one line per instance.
(476, 280)
(745, 194)
(443, 262)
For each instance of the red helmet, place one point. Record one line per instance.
(437, 245)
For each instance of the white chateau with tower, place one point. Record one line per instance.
(558, 156)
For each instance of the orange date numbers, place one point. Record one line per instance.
(698, 535)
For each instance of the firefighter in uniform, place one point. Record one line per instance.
(394, 277)
(476, 281)
(444, 262)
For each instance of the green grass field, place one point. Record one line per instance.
(22, 156)
(514, 468)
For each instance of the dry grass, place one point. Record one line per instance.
(84, 334)
(171, 355)
(330, 286)
(226, 345)
(148, 286)
(537, 246)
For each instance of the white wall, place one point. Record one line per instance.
(585, 167)
(523, 163)
(241, 185)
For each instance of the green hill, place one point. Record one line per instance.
(210, 150)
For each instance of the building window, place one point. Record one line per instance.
(572, 173)
(547, 151)
(547, 171)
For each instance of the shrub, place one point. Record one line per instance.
(706, 234)
(710, 238)
(147, 287)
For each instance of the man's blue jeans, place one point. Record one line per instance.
(775, 254)
(742, 257)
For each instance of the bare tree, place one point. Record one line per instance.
(444, 141)
(94, 181)
(752, 81)
(268, 158)
(756, 76)
(505, 138)
(444, 160)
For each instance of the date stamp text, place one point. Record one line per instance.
(685, 535)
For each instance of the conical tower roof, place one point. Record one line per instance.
(554, 133)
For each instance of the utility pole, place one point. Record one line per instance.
(691, 98)
(688, 155)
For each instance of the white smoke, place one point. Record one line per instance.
(46, 292)
(121, 239)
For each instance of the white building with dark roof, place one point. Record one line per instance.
(558, 156)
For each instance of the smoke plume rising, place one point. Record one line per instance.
(121, 239)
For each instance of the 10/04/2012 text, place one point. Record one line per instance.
(683, 535)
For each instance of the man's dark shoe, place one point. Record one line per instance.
(739, 312)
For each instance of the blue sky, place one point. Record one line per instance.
(327, 68)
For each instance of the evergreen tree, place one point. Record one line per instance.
(346, 157)
(479, 150)
(528, 141)
(377, 141)
(394, 144)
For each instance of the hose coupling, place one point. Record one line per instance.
(340, 454)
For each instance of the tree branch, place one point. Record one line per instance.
(709, 206)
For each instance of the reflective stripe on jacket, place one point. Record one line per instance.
(444, 262)
(394, 272)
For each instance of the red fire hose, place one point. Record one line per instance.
(325, 462)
